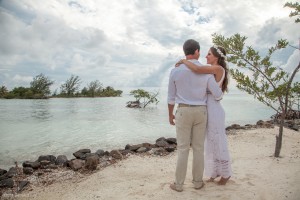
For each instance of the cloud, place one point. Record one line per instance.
(22, 79)
(291, 64)
(157, 75)
(125, 43)
(275, 29)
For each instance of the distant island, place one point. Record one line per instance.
(40, 89)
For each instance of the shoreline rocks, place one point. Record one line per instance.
(290, 124)
(17, 179)
(292, 119)
(49, 168)
(259, 124)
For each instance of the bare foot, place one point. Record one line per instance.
(223, 181)
(211, 180)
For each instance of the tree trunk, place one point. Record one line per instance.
(279, 137)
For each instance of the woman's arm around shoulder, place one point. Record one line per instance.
(205, 69)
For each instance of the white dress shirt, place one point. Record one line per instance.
(187, 87)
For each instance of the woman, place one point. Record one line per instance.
(217, 159)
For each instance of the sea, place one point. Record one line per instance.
(61, 126)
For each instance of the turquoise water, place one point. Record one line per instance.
(29, 128)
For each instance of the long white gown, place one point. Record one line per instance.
(217, 159)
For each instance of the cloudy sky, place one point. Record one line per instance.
(128, 43)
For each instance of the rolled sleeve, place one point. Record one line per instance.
(214, 88)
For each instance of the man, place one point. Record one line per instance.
(188, 90)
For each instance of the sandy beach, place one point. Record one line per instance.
(256, 174)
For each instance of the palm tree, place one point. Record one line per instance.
(3, 91)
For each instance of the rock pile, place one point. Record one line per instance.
(17, 178)
(259, 124)
(292, 119)
(49, 168)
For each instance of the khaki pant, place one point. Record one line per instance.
(190, 130)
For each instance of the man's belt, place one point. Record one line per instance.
(188, 105)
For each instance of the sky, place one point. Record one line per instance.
(129, 43)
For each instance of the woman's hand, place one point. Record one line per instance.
(179, 62)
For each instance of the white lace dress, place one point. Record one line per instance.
(217, 159)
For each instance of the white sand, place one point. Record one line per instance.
(256, 175)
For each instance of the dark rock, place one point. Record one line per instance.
(160, 139)
(84, 151)
(7, 183)
(51, 166)
(100, 152)
(27, 170)
(289, 122)
(133, 104)
(34, 165)
(92, 162)
(12, 172)
(116, 154)
(81, 153)
(49, 158)
(260, 122)
(45, 163)
(22, 185)
(160, 151)
(61, 160)
(142, 150)
(90, 154)
(290, 114)
(236, 126)
(295, 127)
(40, 173)
(3, 177)
(268, 125)
(247, 126)
(148, 145)
(133, 147)
(2, 172)
(76, 164)
(170, 149)
(126, 151)
(162, 143)
(171, 140)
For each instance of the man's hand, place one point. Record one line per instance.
(171, 115)
(171, 119)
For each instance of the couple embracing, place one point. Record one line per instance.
(199, 118)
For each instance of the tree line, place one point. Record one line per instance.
(40, 89)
